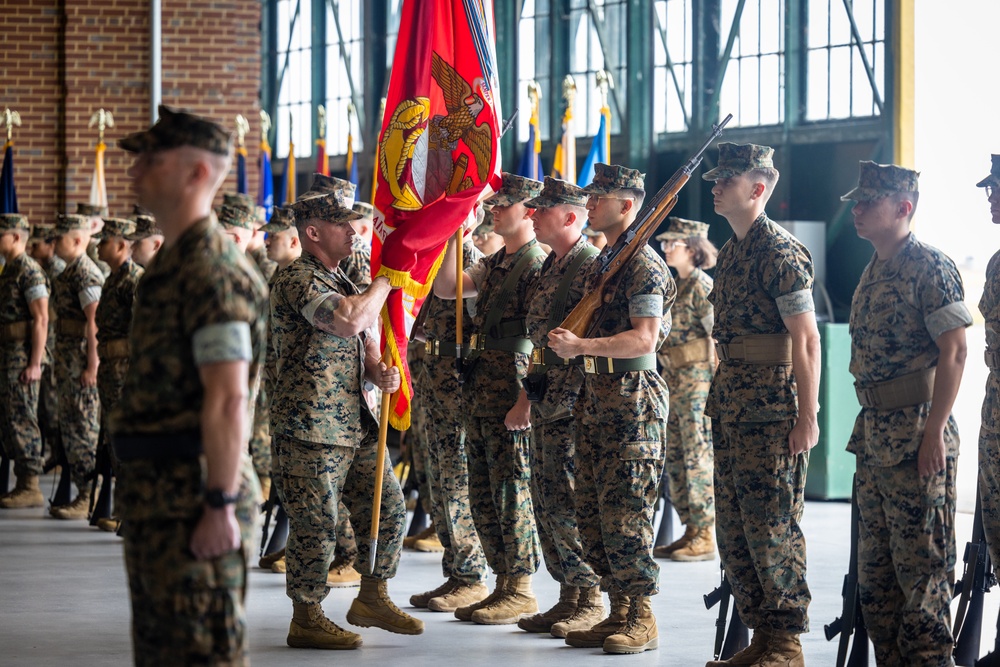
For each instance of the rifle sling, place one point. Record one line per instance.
(558, 313)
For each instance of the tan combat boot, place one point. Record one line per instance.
(784, 650)
(594, 636)
(465, 613)
(562, 610)
(279, 566)
(373, 608)
(409, 542)
(78, 509)
(420, 600)
(342, 574)
(463, 595)
(267, 560)
(640, 633)
(25, 494)
(750, 655)
(589, 612)
(310, 628)
(685, 539)
(430, 544)
(516, 602)
(109, 524)
(701, 547)
(265, 489)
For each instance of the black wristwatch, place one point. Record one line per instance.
(217, 498)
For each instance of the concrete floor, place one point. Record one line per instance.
(64, 601)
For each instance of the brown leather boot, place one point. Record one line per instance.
(409, 542)
(465, 613)
(750, 655)
(78, 509)
(516, 602)
(310, 628)
(640, 633)
(562, 610)
(267, 560)
(701, 547)
(420, 600)
(685, 539)
(594, 636)
(462, 595)
(26, 494)
(784, 650)
(373, 608)
(589, 611)
(342, 574)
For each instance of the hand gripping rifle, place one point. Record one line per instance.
(851, 622)
(977, 579)
(609, 265)
(729, 641)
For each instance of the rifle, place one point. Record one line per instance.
(101, 502)
(851, 621)
(665, 534)
(280, 534)
(4, 474)
(976, 581)
(582, 318)
(992, 659)
(728, 641)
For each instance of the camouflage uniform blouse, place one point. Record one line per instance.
(564, 382)
(358, 265)
(900, 307)
(646, 289)
(989, 306)
(495, 383)
(190, 307)
(21, 282)
(114, 312)
(691, 318)
(319, 376)
(759, 281)
(79, 285)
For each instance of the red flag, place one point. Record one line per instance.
(438, 154)
(322, 164)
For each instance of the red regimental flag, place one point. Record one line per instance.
(438, 154)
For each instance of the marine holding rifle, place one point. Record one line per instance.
(763, 403)
(621, 422)
(908, 349)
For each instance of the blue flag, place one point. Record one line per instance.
(531, 161)
(242, 181)
(265, 193)
(352, 164)
(598, 153)
(8, 194)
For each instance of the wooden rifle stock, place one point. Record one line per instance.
(582, 319)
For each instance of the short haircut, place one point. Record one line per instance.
(900, 197)
(766, 175)
(637, 194)
(703, 251)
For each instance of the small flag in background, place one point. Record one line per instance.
(599, 150)
(242, 178)
(352, 164)
(531, 159)
(8, 193)
(98, 187)
(322, 163)
(265, 189)
(564, 162)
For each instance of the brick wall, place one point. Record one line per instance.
(65, 59)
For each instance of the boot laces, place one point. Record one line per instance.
(325, 624)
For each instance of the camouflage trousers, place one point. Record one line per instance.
(110, 380)
(500, 495)
(260, 437)
(689, 464)
(19, 431)
(759, 499)
(619, 463)
(48, 411)
(185, 611)
(553, 495)
(989, 490)
(906, 562)
(446, 468)
(314, 478)
(79, 410)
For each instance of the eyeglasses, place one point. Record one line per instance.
(989, 191)
(670, 245)
(596, 199)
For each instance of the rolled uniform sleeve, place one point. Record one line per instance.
(941, 297)
(226, 341)
(36, 292)
(789, 281)
(89, 295)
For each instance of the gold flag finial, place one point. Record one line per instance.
(605, 83)
(351, 111)
(569, 89)
(102, 119)
(265, 124)
(321, 121)
(242, 129)
(534, 95)
(10, 119)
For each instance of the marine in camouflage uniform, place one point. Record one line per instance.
(439, 396)
(188, 504)
(907, 326)
(498, 453)
(42, 249)
(763, 403)
(621, 420)
(560, 212)
(94, 215)
(24, 297)
(687, 365)
(323, 433)
(358, 265)
(989, 431)
(114, 321)
(76, 293)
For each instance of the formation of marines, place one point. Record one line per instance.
(209, 361)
